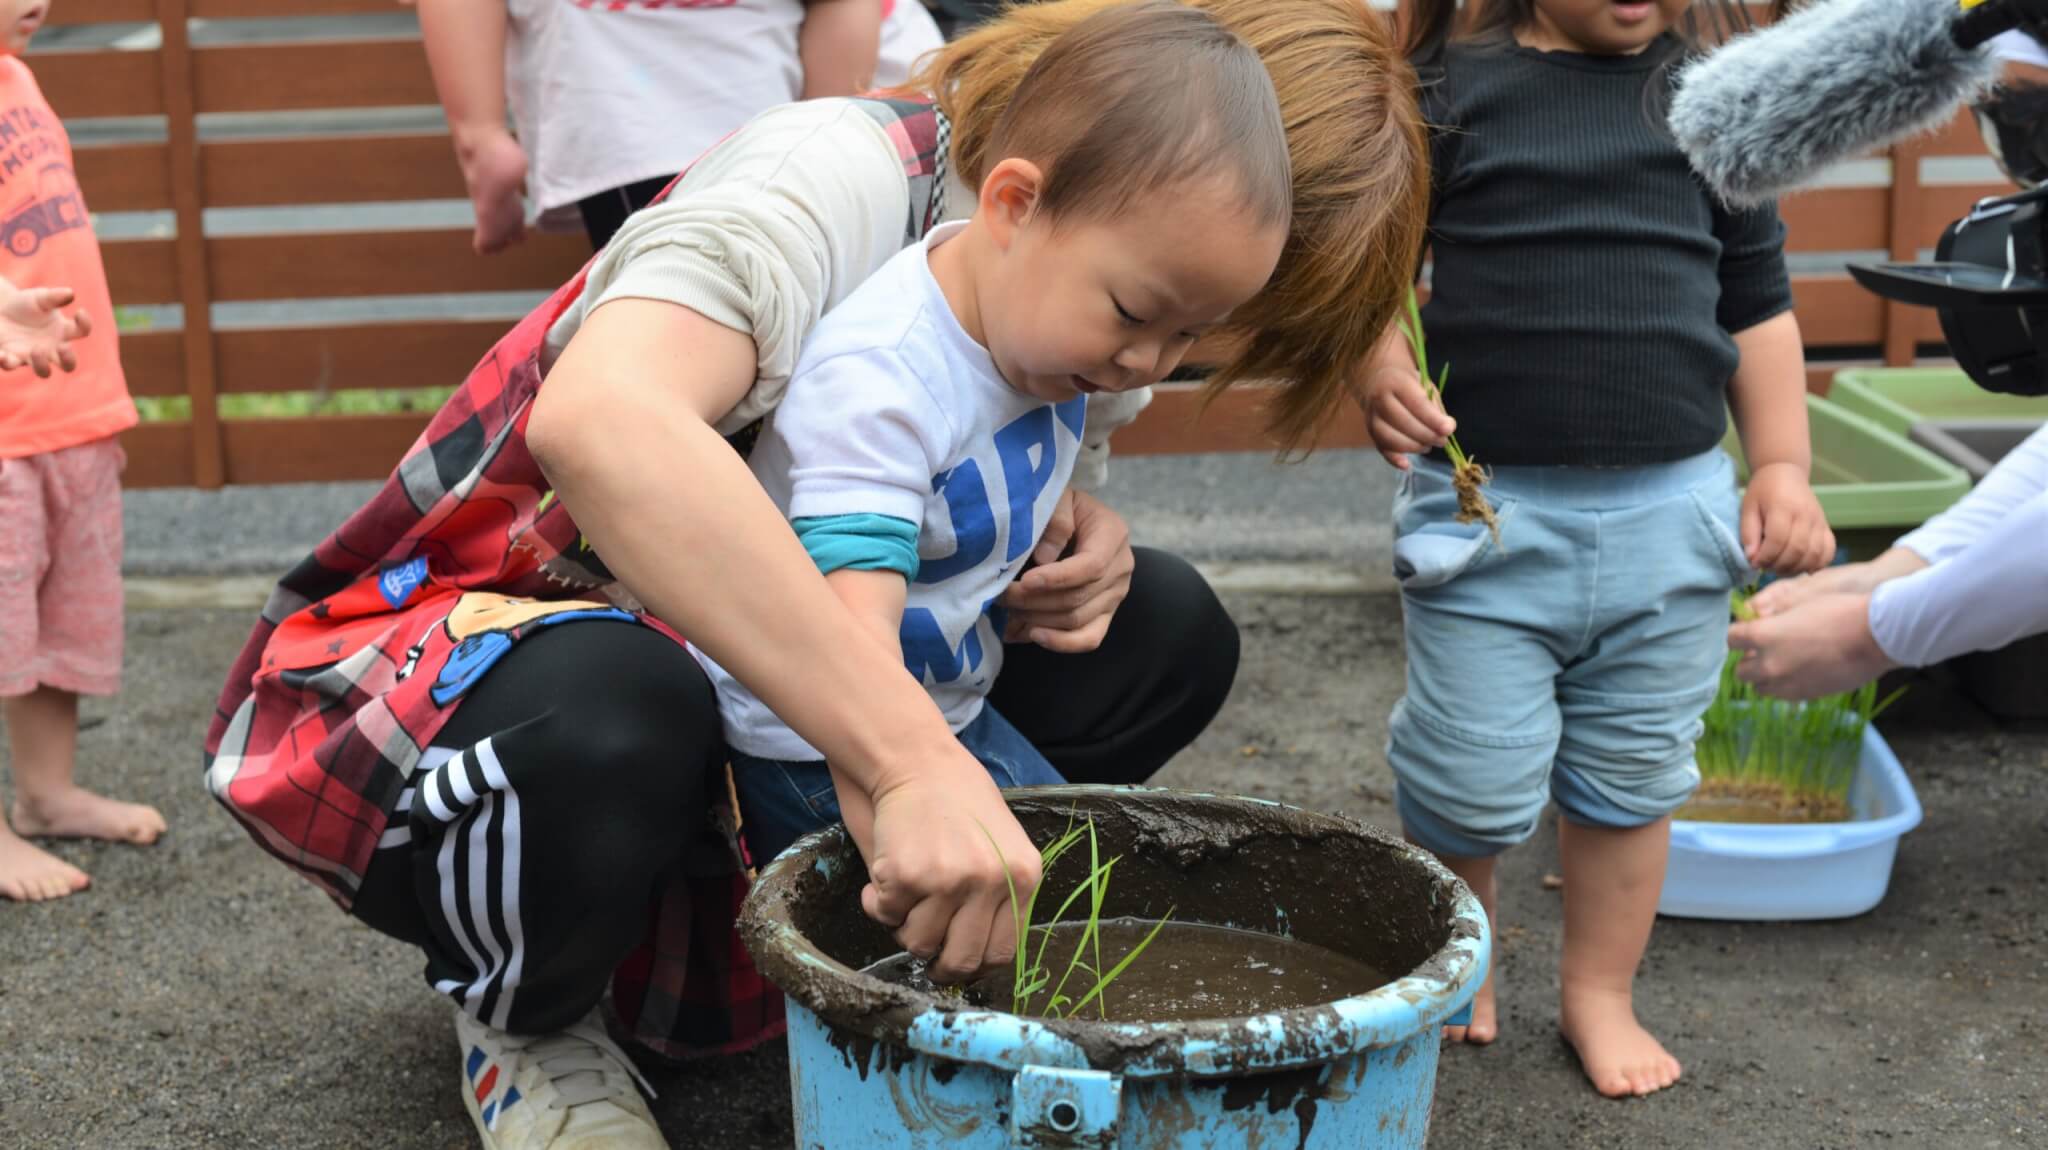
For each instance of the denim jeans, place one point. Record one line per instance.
(782, 801)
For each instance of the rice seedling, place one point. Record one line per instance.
(1765, 754)
(1467, 476)
(1031, 976)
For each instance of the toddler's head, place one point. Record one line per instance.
(19, 21)
(1137, 192)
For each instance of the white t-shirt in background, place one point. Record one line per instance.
(895, 410)
(606, 93)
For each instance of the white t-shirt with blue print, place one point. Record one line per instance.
(894, 410)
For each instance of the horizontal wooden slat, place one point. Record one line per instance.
(100, 83)
(154, 362)
(311, 74)
(124, 177)
(1835, 310)
(317, 450)
(429, 353)
(101, 12)
(320, 264)
(264, 9)
(141, 271)
(1836, 219)
(159, 455)
(1176, 422)
(329, 170)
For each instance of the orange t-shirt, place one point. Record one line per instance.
(46, 240)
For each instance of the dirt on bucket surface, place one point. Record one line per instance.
(201, 995)
(1188, 971)
(1326, 880)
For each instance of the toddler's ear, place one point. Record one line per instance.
(1008, 197)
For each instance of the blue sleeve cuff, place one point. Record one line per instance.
(860, 543)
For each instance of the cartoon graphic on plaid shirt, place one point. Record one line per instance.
(483, 626)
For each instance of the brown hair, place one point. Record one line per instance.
(1141, 96)
(1358, 165)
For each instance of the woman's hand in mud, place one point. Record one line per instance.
(1784, 530)
(1400, 416)
(494, 168)
(1082, 574)
(35, 333)
(1820, 647)
(944, 856)
(1847, 579)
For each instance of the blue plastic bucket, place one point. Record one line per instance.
(1777, 872)
(878, 1066)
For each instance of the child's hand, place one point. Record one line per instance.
(1783, 529)
(35, 334)
(1400, 416)
(494, 168)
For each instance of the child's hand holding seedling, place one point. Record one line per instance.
(1784, 530)
(1400, 416)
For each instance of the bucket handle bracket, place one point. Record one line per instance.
(1056, 1109)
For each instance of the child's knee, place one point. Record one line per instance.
(1625, 761)
(1463, 792)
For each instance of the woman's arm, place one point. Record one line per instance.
(624, 431)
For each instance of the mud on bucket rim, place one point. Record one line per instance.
(1432, 990)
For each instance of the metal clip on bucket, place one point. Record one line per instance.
(1065, 1109)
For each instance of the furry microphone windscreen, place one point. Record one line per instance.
(1765, 113)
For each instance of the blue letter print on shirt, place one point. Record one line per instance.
(974, 524)
(1026, 479)
(926, 651)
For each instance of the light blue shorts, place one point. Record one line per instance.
(1571, 662)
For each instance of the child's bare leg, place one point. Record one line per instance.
(1612, 878)
(1485, 1025)
(43, 728)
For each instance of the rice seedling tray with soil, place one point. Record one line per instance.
(1799, 811)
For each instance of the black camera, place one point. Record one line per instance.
(1989, 283)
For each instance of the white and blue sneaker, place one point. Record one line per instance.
(571, 1090)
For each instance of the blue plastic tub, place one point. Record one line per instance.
(1763, 872)
(879, 1066)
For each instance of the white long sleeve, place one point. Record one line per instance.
(1988, 580)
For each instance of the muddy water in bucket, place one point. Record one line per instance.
(878, 1065)
(1188, 971)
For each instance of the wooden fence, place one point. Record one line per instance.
(1899, 213)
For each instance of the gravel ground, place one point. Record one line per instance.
(199, 995)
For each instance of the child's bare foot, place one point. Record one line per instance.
(30, 874)
(1485, 1026)
(1619, 1056)
(76, 813)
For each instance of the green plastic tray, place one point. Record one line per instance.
(1895, 398)
(1868, 477)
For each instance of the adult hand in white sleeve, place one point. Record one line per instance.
(1819, 647)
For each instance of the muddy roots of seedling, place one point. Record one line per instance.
(1467, 478)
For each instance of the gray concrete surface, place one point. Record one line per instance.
(201, 996)
(1330, 509)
